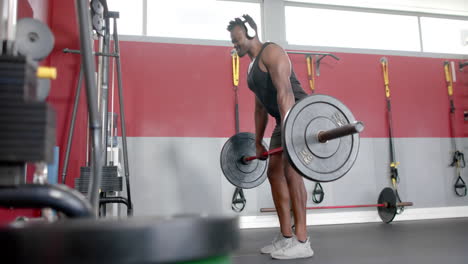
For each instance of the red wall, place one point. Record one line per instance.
(174, 90)
(186, 91)
(65, 28)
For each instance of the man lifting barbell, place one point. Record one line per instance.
(276, 88)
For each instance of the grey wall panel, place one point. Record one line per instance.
(175, 175)
(355, 187)
(449, 174)
(183, 175)
(421, 171)
(251, 196)
(265, 198)
(360, 182)
(381, 155)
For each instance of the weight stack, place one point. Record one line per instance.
(18, 80)
(110, 181)
(27, 131)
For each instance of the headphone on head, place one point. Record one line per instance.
(248, 27)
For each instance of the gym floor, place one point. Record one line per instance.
(416, 242)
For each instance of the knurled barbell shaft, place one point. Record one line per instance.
(322, 137)
(267, 210)
(346, 130)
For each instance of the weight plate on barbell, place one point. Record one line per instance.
(243, 175)
(387, 195)
(321, 162)
(34, 38)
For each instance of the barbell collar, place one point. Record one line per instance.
(342, 131)
(403, 204)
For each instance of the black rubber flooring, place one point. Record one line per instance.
(409, 242)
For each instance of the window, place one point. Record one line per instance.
(444, 35)
(351, 29)
(201, 19)
(131, 19)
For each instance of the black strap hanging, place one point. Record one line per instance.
(460, 187)
(458, 160)
(238, 197)
(238, 200)
(318, 194)
(394, 177)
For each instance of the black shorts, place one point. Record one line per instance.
(275, 141)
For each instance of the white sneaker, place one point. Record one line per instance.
(295, 250)
(278, 242)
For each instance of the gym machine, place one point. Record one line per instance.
(78, 236)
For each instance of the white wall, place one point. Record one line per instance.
(183, 176)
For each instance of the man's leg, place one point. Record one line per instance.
(280, 193)
(299, 247)
(298, 196)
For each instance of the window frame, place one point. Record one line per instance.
(420, 53)
(365, 35)
(269, 9)
(144, 37)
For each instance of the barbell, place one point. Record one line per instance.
(387, 205)
(320, 138)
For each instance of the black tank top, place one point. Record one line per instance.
(261, 84)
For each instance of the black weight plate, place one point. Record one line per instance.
(110, 180)
(387, 195)
(34, 38)
(106, 186)
(320, 162)
(134, 240)
(242, 175)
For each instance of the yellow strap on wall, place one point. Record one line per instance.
(46, 72)
(384, 63)
(235, 69)
(310, 73)
(448, 78)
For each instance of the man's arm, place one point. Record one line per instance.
(278, 65)
(261, 121)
